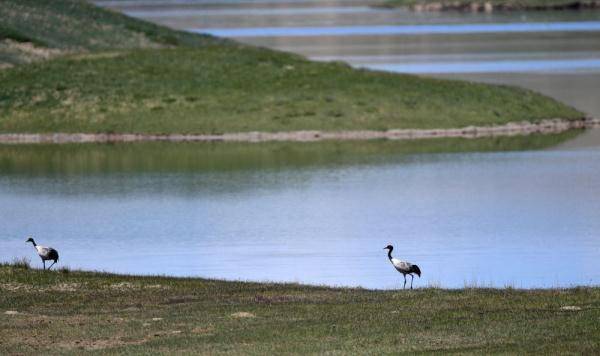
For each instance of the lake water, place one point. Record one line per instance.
(319, 215)
(322, 213)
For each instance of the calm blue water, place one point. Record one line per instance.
(524, 219)
(516, 27)
(250, 12)
(506, 66)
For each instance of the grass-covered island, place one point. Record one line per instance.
(71, 311)
(491, 5)
(73, 67)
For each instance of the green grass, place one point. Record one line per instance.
(12, 34)
(224, 88)
(498, 4)
(79, 26)
(71, 311)
(117, 74)
(62, 27)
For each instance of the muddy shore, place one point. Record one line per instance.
(510, 129)
(486, 6)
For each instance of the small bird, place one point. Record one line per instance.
(45, 253)
(403, 267)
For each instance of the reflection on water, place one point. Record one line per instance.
(290, 212)
(164, 157)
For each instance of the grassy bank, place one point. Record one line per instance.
(492, 5)
(67, 312)
(40, 29)
(126, 75)
(237, 89)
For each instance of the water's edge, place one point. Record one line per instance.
(511, 129)
(266, 282)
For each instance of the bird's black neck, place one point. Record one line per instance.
(33, 242)
(390, 253)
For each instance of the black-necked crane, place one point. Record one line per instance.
(403, 267)
(45, 253)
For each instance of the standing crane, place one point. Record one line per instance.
(403, 267)
(45, 253)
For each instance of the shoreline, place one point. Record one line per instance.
(124, 275)
(511, 129)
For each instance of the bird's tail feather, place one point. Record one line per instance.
(416, 270)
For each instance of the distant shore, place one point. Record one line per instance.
(510, 129)
(489, 6)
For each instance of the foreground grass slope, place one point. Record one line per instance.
(67, 312)
(125, 75)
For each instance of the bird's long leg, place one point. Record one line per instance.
(44, 262)
(51, 265)
(404, 287)
(411, 280)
